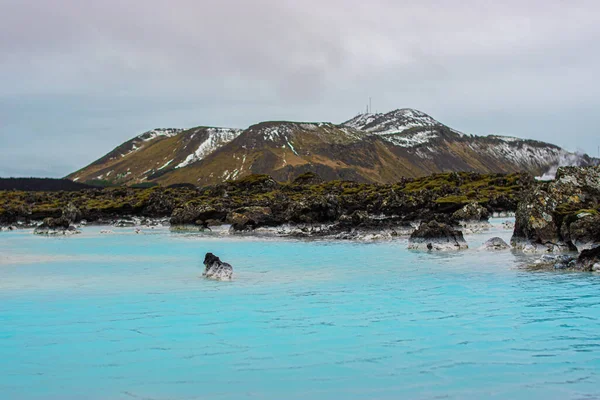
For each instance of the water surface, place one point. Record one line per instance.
(127, 316)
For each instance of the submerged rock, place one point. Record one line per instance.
(555, 261)
(436, 236)
(495, 243)
(56, 226)
(124, 223)
(216, 269)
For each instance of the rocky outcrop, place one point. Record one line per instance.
(308, 178)
(314, 209)
(584, 230)
(495, 243)
(124, 223)
(71, 213)
(560, 215)
(472, 212)
(555, 261)
(436, 236)
(589, 260)
(158, 204)
(56, 226)
(249, 218)
(216, 269)
(195, 218)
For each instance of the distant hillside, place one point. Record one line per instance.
(41, 184)
(379, 148)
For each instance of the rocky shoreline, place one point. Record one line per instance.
(434, 212)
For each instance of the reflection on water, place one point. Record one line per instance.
(126, 316)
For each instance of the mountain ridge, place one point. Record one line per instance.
(381, 147)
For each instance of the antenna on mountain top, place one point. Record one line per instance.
(370, 108)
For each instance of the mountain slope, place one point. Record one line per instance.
(156, 152)
(369, 148)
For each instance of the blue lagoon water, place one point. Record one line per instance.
(126, 316)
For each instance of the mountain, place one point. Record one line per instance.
(147, 156)
(367, 148)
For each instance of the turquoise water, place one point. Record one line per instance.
(127, 316)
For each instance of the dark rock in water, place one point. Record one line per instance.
(589, 260)
(124, 223)
(216, 269)
(72, 213)
(56, 226)
(495, 243)
(535, 226)
(472, 212)
(547, 216)
(555, 261)
(436, 236)
(584, 232)
(248, 218)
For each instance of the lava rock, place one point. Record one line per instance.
(158, 205)
(71, 213)
(56, 226)
(555, 261)
(589, 260)
(308, 178)
(249, 218)
(123, 223)
(436, 236)
(542, 220)
(495, 243)
(472, 212)
(584, 232)
(192, 217)
(216, 269)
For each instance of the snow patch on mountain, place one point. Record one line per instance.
(217, 137)
(154, 133)
(273, 133)
(393, 122)
(165, 165)
(508, 139)
(520, 152)
(410, 140)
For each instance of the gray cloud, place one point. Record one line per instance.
(79, 77)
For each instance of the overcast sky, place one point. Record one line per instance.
(79, 77)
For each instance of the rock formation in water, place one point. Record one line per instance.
(589, 260)
(561, 215)
(472, 212)
(436, 236)
(56, 226)
(555, 261)
(216, 269)
(495, 243)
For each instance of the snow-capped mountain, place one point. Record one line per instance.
(369, 147)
